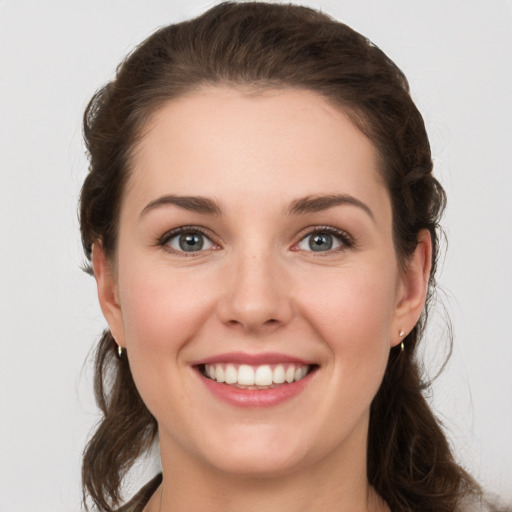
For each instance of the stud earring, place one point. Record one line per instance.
(402, 346)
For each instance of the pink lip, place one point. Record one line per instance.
(253, 398)
(251, 359)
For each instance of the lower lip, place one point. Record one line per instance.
(256, 398)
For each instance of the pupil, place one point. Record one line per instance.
(191, 242)
(321, 242)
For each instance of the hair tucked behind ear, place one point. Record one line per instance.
(267, 46)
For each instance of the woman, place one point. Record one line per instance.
(262, 222)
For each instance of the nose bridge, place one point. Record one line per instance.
(257, 296)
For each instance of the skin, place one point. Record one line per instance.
(258, 287)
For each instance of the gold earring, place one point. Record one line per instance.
(120, 351)
(402, 346)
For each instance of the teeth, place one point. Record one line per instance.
(264, 375)
(219, 374)
(300, 373)
(246, 375)
(231, 374)
(278, 375)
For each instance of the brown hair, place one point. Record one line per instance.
(266, 46)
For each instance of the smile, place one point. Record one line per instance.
(264, 376)
(255, 380)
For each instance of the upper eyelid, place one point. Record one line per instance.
(303, 233)
(185, 229)
(163, 241)
(326, 229)
(345, 239)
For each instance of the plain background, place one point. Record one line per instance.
(55, 53)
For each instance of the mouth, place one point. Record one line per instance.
(263, 380)
(256, 377)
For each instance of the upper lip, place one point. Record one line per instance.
(251, 359)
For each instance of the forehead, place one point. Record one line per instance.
(235, 142)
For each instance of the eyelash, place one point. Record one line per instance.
(346, 240)
(343, 237)
(164, 240)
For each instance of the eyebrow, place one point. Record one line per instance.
(301, 206)
(192, 203)
(312, 204)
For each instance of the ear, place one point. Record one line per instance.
(107, 293)
(413, 287)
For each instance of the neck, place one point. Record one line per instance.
(337, 482)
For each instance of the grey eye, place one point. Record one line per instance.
(319, 242)
(191, 241)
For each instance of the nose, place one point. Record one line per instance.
(256, 294)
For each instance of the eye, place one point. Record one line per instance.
(325, 239)
(187, 240)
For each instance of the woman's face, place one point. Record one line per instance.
(255, 246)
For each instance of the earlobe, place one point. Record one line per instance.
(107, 292)
(413, 287)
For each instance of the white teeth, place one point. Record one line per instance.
(290, 374)
(245, 375)
(231, 374)
(300, 373)
(278, 376)
(219, 374)
(263, 375)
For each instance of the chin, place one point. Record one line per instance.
(253, 465)
(260, 453)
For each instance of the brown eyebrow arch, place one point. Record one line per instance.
(193, 203)
(312, 204)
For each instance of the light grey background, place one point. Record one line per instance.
(55, 53)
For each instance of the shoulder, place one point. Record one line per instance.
(139, 501)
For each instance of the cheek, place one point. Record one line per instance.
(353, 312)
(352, 299)
(161, 313)
(161, 309)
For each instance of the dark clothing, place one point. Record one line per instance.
(139, 501)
